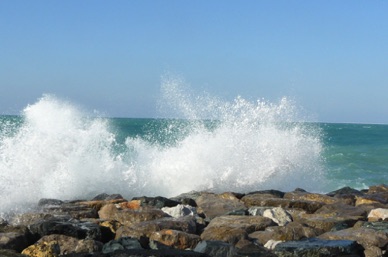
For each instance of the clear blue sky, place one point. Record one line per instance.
(331, 56)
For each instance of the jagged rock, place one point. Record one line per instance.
(231, 229)
(342, 210)
(382, 188)
(215, 248)
(365, 236)
(146, 228)
(257, 211)
(175, 239)
(325, 222)
(15, 237)
(378, 214)
(345, 191)
(129, 217)
(180, 210)
(157, 202)
(123, 243)
(73, 228)
(314, 247)
(65, 244)
(291, 232)
(43, 249)
(213, 205)
(107, 197)
(278, 215)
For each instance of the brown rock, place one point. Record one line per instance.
(342, 210)
(146, 228)
(128, 217)
(175, 238)
(231, 229)
(212, 205)
(365, 236)
(256, 199)
(325, 222)
(304, 196)
(292, 231)
(378, 189)
(43, 249)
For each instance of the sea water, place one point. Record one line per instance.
(56, 150)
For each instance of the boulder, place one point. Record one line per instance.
(291, 232)
(312, 197)
(278, 215)
(175, 239)
(215, 248)
(156, 202)
(43, 249)
(180, 210)
(10, 253)
(146, 228)
(128, 217)
(213, 205)
(314, 247)
(73, 228)
(324, 222)
(231, 229)
(367, 237)
(123, 243)
(378, 214)
(15, 237)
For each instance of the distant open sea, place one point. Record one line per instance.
(53, 150)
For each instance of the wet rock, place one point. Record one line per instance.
(15, 237)
(315, 247)
(180, 210)
(107, 197)
(365, 236)
(146, 228)
(76, 210)
(213, 205)
(49, 202)
(312, 197)
(175, 239)
(189, 195)
(345, 191)
(157, 202)
(325, 222)
(42, 250)
(128, 217)
(231, 229)
(215, 248)
(123, 243)
(73, 228)
(271, 193)
(10, 253)
(291, 232)
(378, 214)
(278, 215)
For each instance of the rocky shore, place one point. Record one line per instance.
(346, 222)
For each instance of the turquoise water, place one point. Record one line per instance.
(54, 150)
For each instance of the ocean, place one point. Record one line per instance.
(53, 149)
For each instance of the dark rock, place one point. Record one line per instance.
(344, 191)
(252, 250)
(49, 202)
(314, 247)
(76, 210)
(107, 197)
(273, 193)
(73, 228)
(15, 237)
(157, 202)
(10, 253)
(123, 243)
(215, 248)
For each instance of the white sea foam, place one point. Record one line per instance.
(58, 152)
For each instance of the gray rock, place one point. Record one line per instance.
(314, 247)
(215, 248)
(278, 215)
(180, 210)
(123, 243)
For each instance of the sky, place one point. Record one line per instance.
(330, 56)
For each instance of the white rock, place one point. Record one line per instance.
(180, 210)
(278, 215)
(378, 214)
(271, 244)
